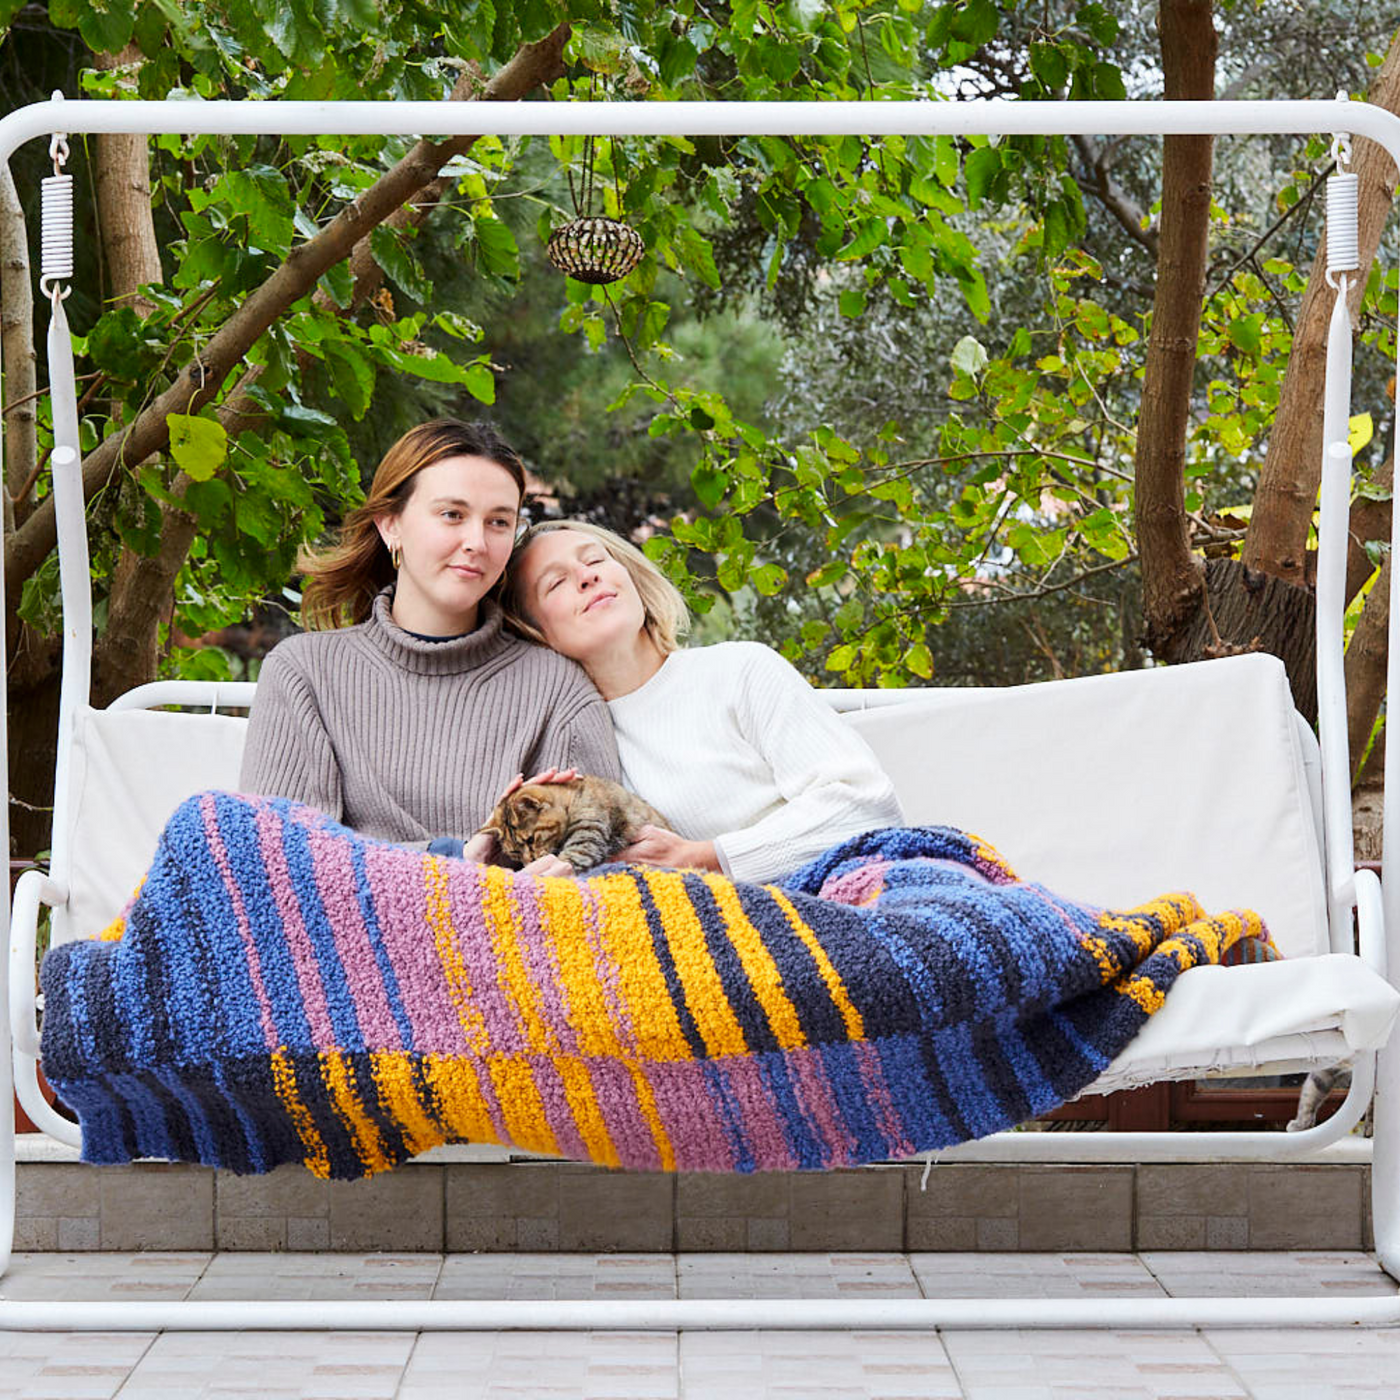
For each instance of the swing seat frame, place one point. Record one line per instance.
(931, 727)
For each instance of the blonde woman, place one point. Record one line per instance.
(756, 772)
(407, 709)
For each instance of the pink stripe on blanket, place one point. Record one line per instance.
(335, 883)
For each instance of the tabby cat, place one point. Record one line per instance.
(1315, 1088)
(582, 821)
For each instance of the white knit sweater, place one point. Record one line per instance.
(733, 746)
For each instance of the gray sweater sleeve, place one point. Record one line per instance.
(288, 753)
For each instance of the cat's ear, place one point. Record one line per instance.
(528, 802)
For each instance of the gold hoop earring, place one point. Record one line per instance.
(395, 556)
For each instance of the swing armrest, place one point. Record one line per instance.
(32, 889)
(1370, 922)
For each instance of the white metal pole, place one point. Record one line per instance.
(703, 1314)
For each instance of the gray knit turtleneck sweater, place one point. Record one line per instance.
(408, 740)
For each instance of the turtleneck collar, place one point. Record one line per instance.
(444, 658)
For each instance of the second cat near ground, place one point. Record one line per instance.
(584, 821)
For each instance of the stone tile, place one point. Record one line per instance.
(1304, 1207)
(809, 1365)
(1034, 1276)
(398, 1211)
(501, 1207)
(272, 1211)
(554, 1206)
(605, 1210)
(153, 1205)
(1075, 1365)
(1192, 1206)
(1075, 1208)
(58, 1205)
(795, 1276)
(102, 1277)
(720, 1212)
(271, 1365)
(557, 1276)
(961, 1207)
(1312, 1274)
(861, 1209)
(1312, 1364)
(319, 1276)
(543, 1366)
(75, 1366)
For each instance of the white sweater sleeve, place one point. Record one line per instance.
(832, 783)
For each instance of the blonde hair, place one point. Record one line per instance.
(665, 616)
(345, 576)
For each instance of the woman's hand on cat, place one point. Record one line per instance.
(657, 846)
(550, 775)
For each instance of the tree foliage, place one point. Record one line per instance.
(846, 518)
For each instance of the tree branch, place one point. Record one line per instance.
(16, 348)
(1097, 161)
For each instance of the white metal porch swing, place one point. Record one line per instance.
(1363, 999)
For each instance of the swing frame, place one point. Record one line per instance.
(1377, 903)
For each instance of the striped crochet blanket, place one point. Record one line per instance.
(282, 989)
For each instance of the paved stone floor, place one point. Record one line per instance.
(1265, 1364)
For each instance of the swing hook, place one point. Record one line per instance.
(1343, 213)
(56, 221)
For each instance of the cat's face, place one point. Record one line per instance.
(582, 599)
(533, 820)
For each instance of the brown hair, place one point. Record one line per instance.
(666, 618)
(343, 578)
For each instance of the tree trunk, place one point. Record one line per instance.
(1173, 586)
(122, 178)
(16, 347)
(1276, 540)
(1365, 666)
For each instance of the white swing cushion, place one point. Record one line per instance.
(130, 769)
(1112, 788)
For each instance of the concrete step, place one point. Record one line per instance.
(464, 1199)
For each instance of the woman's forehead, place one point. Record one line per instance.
(477, 480)
(553, 545)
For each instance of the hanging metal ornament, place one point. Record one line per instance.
(590, 247)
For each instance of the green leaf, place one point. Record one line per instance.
(481, 383)
(198, 445)
(768, 579)
(840, 658)
(710, 484)
(352, 375)
(981, 167)
(261, 192)
(1049, 65)
(920, 660)
(852, 301)
(1246, 333)
(697, 254)
(873, 232)
(500, 255)
(969, 357)
(399, 262)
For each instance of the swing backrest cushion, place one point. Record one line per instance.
(1112, 788)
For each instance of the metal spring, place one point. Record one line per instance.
(1343, 239)
(56, 230)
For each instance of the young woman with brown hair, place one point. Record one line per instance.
(407, 710)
